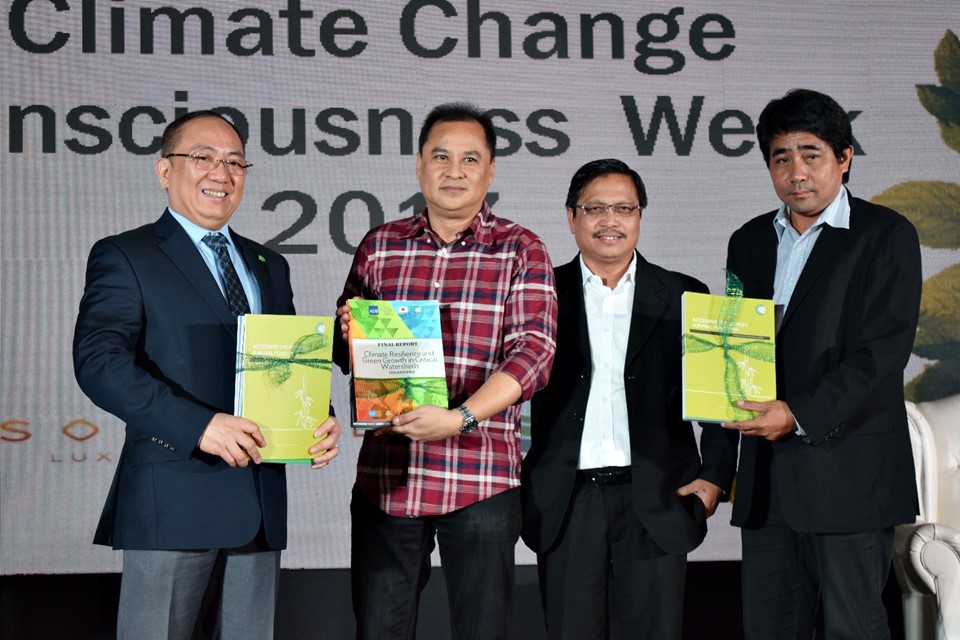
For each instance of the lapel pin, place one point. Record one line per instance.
(261, 258)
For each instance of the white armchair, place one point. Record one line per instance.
(926, 554)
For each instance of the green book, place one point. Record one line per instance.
(283, 380)
(396, 356)
(729, 354)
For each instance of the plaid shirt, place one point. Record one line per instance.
(498, 310)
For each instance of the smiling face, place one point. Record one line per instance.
(455, 170)
(206, 198)
(607, 241)
(806, 174)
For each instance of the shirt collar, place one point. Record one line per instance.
(836, 215)
(195, 231)
(589, 277)
(481, 227)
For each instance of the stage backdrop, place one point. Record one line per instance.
(331, 95)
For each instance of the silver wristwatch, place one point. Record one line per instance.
(469, 420)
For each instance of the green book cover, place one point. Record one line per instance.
(283, 380)
(728, 355)
(396, 356)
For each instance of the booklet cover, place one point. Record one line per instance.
(728, 355)
(396, 356)
(283, 380)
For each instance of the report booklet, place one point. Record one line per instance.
(396, 356)
(729, 354)
(283, 380)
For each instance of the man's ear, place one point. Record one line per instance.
(163, 171)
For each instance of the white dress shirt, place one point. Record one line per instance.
(606, 435)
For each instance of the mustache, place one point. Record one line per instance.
(801, 186)
(607, 231)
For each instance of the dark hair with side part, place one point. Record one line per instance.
(804, 110)
(459, 112)
(596, 169)
(172, 134)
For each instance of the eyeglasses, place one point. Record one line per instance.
(204, 163)
(597, 210)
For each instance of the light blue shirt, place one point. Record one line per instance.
(794, 250)
(196, 233)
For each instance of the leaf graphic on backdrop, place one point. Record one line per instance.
(925, 204)
(943, 102)
(938, 335)
(934, 209)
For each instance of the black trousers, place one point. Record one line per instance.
(390, 566)
(788, 574)
(606, 573)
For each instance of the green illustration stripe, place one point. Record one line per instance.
(419, 390)
(727, 319)
(279, 370)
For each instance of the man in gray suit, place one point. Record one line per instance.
(155, 345)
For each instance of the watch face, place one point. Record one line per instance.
(469, 420)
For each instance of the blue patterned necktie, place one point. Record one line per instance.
(236, 298)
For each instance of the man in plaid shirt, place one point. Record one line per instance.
(451, 474)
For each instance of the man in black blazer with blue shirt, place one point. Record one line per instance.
(825, 471)
(155, 345)
(614, 490)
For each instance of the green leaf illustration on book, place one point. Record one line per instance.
(735, 376)
(284, 367)
(279, 370)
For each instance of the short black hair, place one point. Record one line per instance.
(172, 134)
(459, 112)
(597, 168)
(807, 111)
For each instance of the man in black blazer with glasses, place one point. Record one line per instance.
(615, 492)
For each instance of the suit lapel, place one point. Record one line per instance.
(257, 266)
(183, 253)
(831, 240)
(648, 308)
(764, 255)
(570, 304)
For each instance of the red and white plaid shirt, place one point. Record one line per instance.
(498, 311)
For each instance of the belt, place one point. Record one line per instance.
(604, 476)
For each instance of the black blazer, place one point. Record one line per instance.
(155, 345)
(663, 448)
(842, 346)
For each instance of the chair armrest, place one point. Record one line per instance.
(927, 561)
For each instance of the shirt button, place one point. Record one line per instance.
(436, 285)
